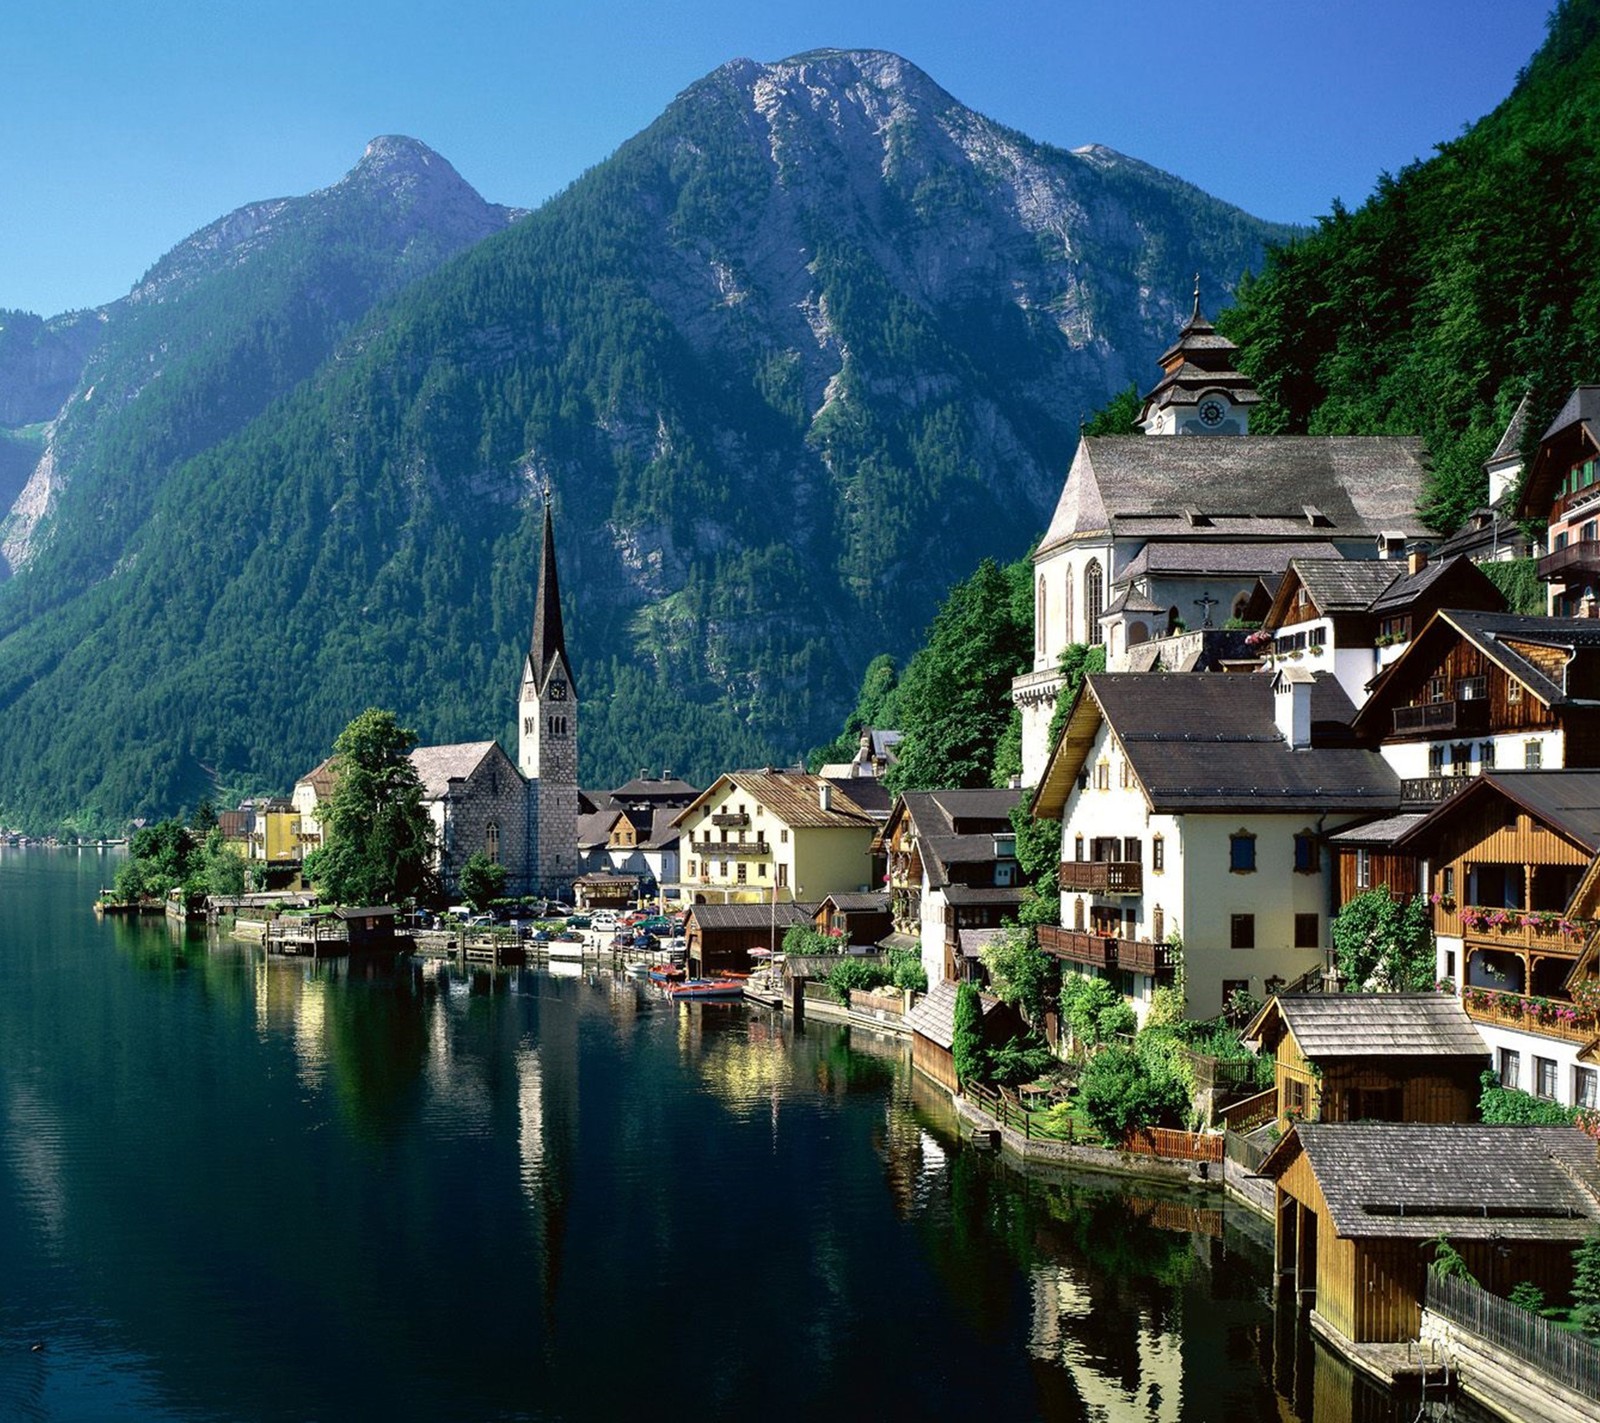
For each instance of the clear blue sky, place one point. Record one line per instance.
(126, 126)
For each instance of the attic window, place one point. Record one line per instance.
(1196, 519)
(1315, 517)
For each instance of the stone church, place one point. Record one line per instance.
(523, 815)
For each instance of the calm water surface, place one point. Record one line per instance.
(240, 1189)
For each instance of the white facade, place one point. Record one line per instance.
(1511, 751)
(1195, 894)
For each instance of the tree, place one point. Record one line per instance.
(1094, 1010)
(160, 858)
(806, 941)
(379, 837)
(1119, 1093)
(966, 1034)
(1117, 415)
(482, 880)
(1384, 944)
(1020, 972)
(1586, 1285)
(219, 868)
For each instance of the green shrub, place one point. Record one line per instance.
(1528, 1296)
(906, 970)
(1118, 1093)
(1510, 1106)
(1020, 1060)
(1586, 1285)
(967, 1035)
(851, 973)
(1083, 1001)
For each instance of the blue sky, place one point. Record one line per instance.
(126, 126)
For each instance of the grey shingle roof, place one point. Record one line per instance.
(750, 916)
(1199, 557)
(1364, 485)
(854, 902)
(1567, 801)
(1582, 408)
(1345, 585)
(437, 766)
(1384, 831)
(1407, 588)
(934, 1014)
(959, 894)
(1497, 634)
(1200, 743)
(1416, 1181)
(937, 816)
(1511, 440)
(1327, 1025)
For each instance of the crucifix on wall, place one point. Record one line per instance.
(1205, 602)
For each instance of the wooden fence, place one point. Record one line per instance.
(1245, 1151)
(1252, 1112)
(1570, 1359)
(1159, 1142)
(1172, 1145)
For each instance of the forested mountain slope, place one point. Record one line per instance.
(794, 360)
(1463, 282)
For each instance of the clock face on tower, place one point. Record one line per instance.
(1211, 412)
(558, 691)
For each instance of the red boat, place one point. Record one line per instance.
(714, 989)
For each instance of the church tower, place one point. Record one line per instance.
(547, 741)
(1200, 391)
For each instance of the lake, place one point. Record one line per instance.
(234, 1188)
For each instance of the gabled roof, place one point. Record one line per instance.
(1334, 585)
(646, 788)
(595, 827)
(1218, 556)
(794, 798)
(1573, 435)
(1510, 640)
(1384, 831)
(1212, 743)
(437, 766)
(1330, 1025)
(1511, 439)
(1411, 1180)
(1468, 588)
(935, 1013)
(1360, 485)
(954, 826)
(1566, 801)
(751, 916)
(321, 779)
(859, 902)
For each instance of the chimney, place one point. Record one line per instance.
(824, 795)
(1291, 706)
(1416, 559)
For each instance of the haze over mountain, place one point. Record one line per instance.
(793, 360)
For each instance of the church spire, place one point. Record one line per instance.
(549, 641)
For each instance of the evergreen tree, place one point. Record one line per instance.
(967, 1035)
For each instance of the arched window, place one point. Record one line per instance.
(1240, 605)
(1066, 609)
(1040, 645)
(1173, 619)
(1094, 600)
(491, 841)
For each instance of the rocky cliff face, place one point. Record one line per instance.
(223, 324)
(794, 360)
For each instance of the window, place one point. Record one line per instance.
(1077, 914)
(1243, 931)
(1486, 755)
(1102, 775)
(1438, 689)
(761, 870)
(1436, 760)
(1532, 755)
(1158, 925)
(1306, 859)
(742, 871)
(1158, 854)
(1124, 773)
(1242, 852)
(491, 841)
(1040, 645)
(1450, 964)
(1132, 850)
(1513, 691)
(692, 870)
(1077, 848)
(1472, 689)
(1094, 601)
(1363, 869)
(1460, 755)
(1509, 1063)
(783, 876)
(1585, 1087)
(1544, 1077)
(783, 836)
(1298, 1097)
(1307, 931)
(1447, 882)
(1005, 874)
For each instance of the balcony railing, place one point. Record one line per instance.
(1105, 951)
(1106, 876)
(1548, 933)
(1549, 1017)
(730, 850)
(1576, 561)
(1469, 717)
(730, 820)
(1431, 790)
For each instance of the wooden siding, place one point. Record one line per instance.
(1459, 661)
(1400, 1089)
(1402, 873)
(934, 1060)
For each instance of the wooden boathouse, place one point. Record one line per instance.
(1360, 1206)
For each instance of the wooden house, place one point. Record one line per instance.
(864, 917)
(1390, 1057)
(369, 926)
(720, 936)
(932, 1024)
(1359, 1204)
(1563, 490)
(1513, 908)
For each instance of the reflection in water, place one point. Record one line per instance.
(238, 1188)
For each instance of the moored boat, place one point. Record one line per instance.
(701, 989)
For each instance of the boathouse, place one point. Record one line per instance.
(1360, 1206)
(1390, 1057)
(720, 937)
(933, 1034)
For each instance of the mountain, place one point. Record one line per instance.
(225, 323)
(1465, 281)
(794, 360)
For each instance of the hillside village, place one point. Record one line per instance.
(1331, 802)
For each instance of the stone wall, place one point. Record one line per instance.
(493, 795)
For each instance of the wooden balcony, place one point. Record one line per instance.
(1543, 934)
(1548, 1017)
(1467, 718)
(731, 820)
(730, 850)
(1105, 951)
(1418, 791)
(1103, 876)
(1576, 563)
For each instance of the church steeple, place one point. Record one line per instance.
(1200, 391)
(548, 643)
